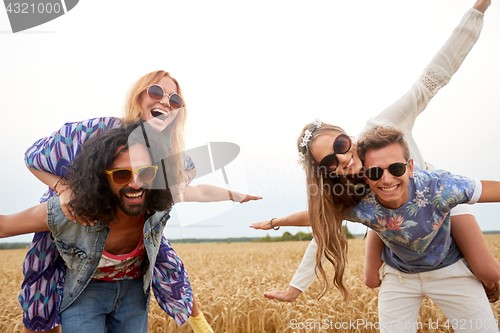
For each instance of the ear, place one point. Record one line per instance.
(410, 167)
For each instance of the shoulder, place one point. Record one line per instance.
(426, 176)
(96, 123)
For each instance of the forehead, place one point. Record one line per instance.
(135, 157)
(383, 157)
(168, 85)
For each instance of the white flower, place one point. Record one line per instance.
(302, 160)
(305, 138)
(317, 123)
(421, 202)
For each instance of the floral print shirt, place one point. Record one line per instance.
(417, 234)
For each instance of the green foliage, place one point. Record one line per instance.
(8, 246)
(288, 237)
(348, 233)
(299, 236)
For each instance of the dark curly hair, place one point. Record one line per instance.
(92, 198)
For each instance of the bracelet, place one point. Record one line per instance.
(55, 184)
(274, 228)
(61, 191)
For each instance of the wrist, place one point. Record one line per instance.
(292, 293)
(273, 224)
(54, 187)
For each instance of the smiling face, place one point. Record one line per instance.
(159, 114)
(349, 163)
(130, 198)
(392, 192)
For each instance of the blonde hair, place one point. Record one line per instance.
(327, 209)
(133, 113)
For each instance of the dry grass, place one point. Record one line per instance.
(229, 281)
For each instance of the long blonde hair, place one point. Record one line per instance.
(133, 113)
(327, 208)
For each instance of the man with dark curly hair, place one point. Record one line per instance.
(123, 196)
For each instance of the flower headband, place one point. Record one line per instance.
(305, 140)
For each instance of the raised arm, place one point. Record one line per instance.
(54, 154)
(482, 5)
(437, 74)
(30, 220)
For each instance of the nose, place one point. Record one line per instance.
(135, 183)
(386, 177)
(166, 101)
(343, 159)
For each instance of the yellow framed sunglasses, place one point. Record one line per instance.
(124, 176)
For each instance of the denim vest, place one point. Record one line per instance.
(81, 248)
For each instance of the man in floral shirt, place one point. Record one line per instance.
(410, 212)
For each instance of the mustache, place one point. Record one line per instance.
(131, 190)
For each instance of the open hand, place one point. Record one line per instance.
(264, 225)
(64, 198)
(241, 198)
(289, 295)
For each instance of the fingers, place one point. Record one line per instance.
(250, 197)
(261, 225)
(269, 294)
(279, 295)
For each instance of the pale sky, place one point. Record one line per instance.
(253, 73)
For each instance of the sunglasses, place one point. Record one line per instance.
(157, 94)
(341, 145)
(124, 176)
(396, 169)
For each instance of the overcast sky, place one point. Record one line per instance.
(252, 73)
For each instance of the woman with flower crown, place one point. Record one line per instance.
(316, 152)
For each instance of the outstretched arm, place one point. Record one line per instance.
(33, 219)
(490, 191)
(210, 193)
(298, 219)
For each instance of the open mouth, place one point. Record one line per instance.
(134, 196)
(350, 164)
(159, 112)
(389, 189)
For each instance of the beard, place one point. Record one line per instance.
(128, 209)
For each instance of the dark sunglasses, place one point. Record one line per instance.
(157, 94)
(396, 169)
(124, 176)
(341, 145)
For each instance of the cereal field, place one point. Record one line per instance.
(229, 281)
